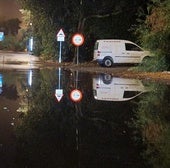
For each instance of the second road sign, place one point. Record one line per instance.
(78, 39)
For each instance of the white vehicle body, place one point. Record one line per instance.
(108, 88)
(107, 52)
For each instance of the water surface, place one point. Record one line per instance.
(63, 119)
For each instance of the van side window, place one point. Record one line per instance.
(132, 47)
(96, 46)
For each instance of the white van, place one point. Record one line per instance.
(107, 52)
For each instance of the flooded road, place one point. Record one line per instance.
(58, 118)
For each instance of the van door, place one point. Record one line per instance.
(133, 53)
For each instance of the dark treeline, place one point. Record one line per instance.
(10, 27)
(95, 19)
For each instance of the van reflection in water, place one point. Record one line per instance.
(108, 88)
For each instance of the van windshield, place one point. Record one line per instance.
(96, 45)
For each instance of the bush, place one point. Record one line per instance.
(154, 34)
(154, 64)
(12, 43)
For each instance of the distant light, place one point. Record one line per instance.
(1, 36)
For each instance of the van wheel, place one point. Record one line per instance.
(107, 62)
(146, 59)
(107, 79)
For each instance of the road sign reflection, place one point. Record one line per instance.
(59, 90)
(76, 94)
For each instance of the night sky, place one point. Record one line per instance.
(9, 9)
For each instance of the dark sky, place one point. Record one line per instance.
(9, 9)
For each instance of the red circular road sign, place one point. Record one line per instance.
(78, 39)
(76, 95)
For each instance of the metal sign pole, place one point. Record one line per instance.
(77, 77)
(78, 40)
(77, 55)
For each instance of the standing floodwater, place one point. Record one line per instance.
(61, 119)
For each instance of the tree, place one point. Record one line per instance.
(10, 26)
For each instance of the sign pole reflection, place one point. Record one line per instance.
(59, 90)
(76, 94)
(1, 83)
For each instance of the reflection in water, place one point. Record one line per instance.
(153, 123)
(108, 88)
(89, 133)
(59, 90)
(47, 132)
(30, 77)
(1, 83)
